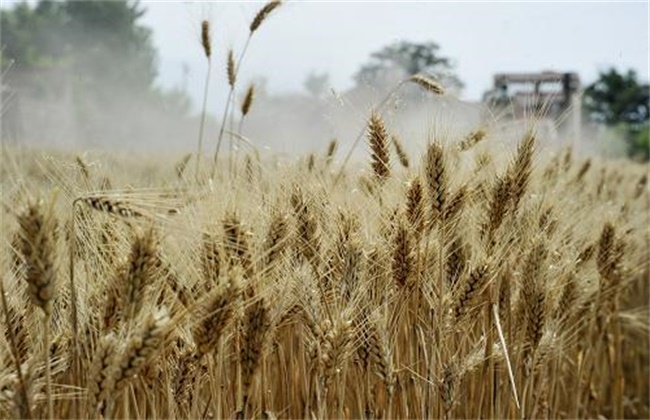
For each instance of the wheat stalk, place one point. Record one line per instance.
(207, 49)
(260, 17)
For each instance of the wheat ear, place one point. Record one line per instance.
(139, 271)
(262, 14)
(520, 170)
(399, 151)
(38, 245)
(427, 83)
(215, 313)
(472, 139)
(101, 379)
(436, 178)
(378, 140)
(141, 347)
(257, 326)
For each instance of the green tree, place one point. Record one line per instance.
(32, 37)
(110, 46)
(620, 100)
(640, 146)
(403, 59)
(617, 98)
(92, 66)
(101, 42)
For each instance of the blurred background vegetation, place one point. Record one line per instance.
(86, 67)
(620, 101)
(89, 68)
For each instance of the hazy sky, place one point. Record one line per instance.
(337, 37)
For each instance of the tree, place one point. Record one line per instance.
(31, 37)
(110, 44)
(620, 100)
(101, 42)
(86, 70)
(403, 59)
(316, 84)
(640, 146)
(617, 98)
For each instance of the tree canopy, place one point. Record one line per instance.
(91, 63)
(621, 100)
(31, 37)
(616, 97)
(101, 41)
(403, 59)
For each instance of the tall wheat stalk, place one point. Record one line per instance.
(206, 42)
(234, 68)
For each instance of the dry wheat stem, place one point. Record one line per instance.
(204, 111)
(511, 376)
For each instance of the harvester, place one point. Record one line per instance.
(552, 98)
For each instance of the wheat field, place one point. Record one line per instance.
(504, 289)
(464, 281)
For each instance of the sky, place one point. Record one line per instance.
(482, 38)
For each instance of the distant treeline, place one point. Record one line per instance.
(82, 72)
